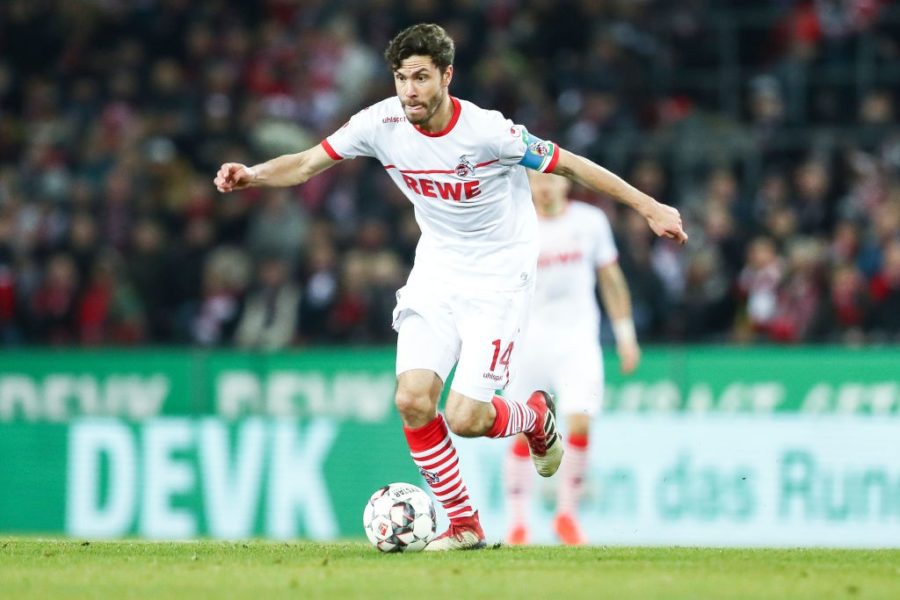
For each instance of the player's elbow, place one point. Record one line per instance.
(568, 164)
(303, 172)
(310, 163)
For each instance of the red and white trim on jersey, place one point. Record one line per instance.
(457, 110)
(435, 171)
(331, 152)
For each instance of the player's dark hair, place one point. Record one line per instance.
(424, 39)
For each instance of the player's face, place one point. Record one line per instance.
(549, 193)
(421, 87)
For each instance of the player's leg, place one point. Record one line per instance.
(465, 416)
(418, 392)
(430, 443)
(424, 360)
(495, 416)
(474, 416)
(571, 481)
(490, 327)
(472, 410)
(580, 395)
(518, 481)
(532, 367)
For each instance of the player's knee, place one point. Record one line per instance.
(413, 406)
(579, 425)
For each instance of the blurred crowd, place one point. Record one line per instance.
(772, 125)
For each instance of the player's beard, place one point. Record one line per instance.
(430, 109)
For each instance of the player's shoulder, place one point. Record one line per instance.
(583, 210)
(386, 111)
(486, 116)
(589, 217)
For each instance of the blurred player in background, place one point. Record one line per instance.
(467, 297)
(560, 348)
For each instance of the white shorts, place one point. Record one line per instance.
(568, 364)
(440, 326)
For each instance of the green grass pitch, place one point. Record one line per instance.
(60, 569)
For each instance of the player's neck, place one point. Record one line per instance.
(441, 117)
(553, 211)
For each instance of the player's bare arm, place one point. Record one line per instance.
(617, 301)
(664, 220)
(283, 171)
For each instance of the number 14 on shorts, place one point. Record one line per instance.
(501, 359)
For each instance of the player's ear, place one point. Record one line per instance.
(447, 76)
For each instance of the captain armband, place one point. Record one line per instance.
(539, 155)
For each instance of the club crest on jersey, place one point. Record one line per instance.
(465, 168)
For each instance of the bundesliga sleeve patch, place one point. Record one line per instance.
(539, 155)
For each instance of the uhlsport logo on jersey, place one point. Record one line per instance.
(465, 168)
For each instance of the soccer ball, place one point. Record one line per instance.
(399, 518)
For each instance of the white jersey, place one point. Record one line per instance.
(573, 246)
(468, 186)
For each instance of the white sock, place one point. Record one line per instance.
(571, 474)
(518, 475)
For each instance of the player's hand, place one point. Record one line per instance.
(665, 221)
(629, 356)
(233, 176)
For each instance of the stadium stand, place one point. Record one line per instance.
(783, 156)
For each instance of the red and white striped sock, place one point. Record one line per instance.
(517, 479)
(432, 450)
(572, 472)
(512, 418)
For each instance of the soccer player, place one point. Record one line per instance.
(463, 169)
(560, 348)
